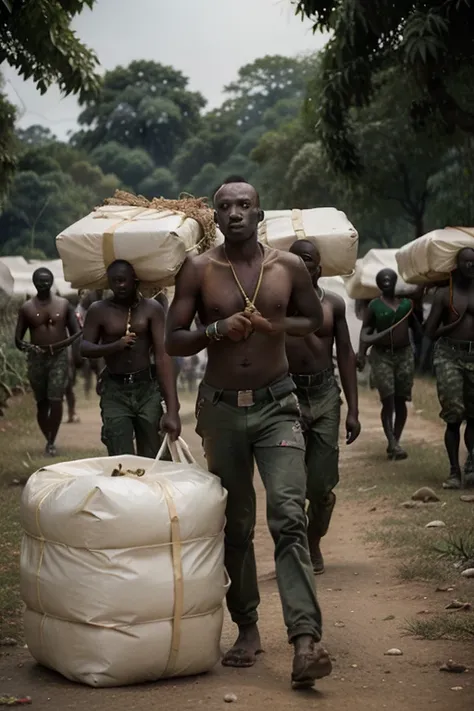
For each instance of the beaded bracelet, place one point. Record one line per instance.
(212, 332)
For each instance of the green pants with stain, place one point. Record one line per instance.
(131, 411)
(454, 370)
(319, 397)
(234, 435)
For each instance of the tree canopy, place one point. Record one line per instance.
(36, 39)
(432, 42)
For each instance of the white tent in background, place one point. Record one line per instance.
(361, 284)
(6, 281)
(22, 273)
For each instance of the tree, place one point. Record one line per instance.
(8, 147)
(161, 183)
(262, 85)
(36, 39)
(145, 105)
(131, 165)
(430, 41)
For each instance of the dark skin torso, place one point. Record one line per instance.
(261, 359)
(47, 323)
(111, 321)
(399, 337)
(315, 353)
(457, 319)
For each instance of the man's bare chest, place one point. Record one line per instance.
(223, 295)
(53, 314)
(117, 321)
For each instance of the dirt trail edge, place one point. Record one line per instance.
(364, 608)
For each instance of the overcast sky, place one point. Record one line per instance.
(208, 40)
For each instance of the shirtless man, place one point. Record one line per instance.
(386, 327)
(311, 367)
(50, 320)
(451, 325)
(123, 330)
(247, 409)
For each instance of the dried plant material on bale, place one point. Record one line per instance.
(195, 208)
(119, 471)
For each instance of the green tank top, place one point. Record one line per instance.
(385, 317)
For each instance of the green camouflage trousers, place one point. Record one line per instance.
(320, 406)
(131, 411)
(392, 372)
(454, 370)
(269, 432)
(48, 375)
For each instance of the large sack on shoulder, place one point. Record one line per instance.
(329, 229)
(122, 568)
(362, 283)
(432, 258)
(154, 237)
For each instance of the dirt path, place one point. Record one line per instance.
(358, 590)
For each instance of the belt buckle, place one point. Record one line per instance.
(245, 398)
(129, 379)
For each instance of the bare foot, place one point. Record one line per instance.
(246, 648)
(309, 663)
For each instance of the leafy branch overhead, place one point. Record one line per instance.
(432, 42)
(36, 38)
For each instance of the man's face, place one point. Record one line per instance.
(310, 257)
(387, 280)
(122, 282)
(237, 212)
(465, 263)
(43, 281)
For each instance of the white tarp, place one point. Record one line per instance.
(362, 283)
(329, 229)
(6, 280)
(123, 577)
(22, 273)
(155, 242)
(432, 257)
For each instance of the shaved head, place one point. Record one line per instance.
(236, 180)
(304, 247)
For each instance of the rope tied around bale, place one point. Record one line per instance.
(194, 208)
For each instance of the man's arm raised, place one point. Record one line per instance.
(180, 340)
(91, 346)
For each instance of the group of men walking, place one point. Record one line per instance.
(269, 394)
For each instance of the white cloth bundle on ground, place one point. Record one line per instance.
(432, 257)
(123, 577)
(328, 228)
(155, 241)
(362, 283)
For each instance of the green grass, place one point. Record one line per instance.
(451, 626)
(420, 554)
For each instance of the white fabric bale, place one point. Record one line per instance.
(6, 280)
(155, 242)
(123, 577)
(362, 284)
(329, 229)
(432, 258)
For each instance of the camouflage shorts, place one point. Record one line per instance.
(454, 372)
(48, 375)
(392, 372)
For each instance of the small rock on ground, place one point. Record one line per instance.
(435, 524)
(469, 573)
(425, 494)
(394, 652)
(230, 698)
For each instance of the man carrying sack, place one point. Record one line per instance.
(123, 330)
(451, 325)
(247, 410)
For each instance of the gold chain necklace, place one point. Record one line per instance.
(249, 303)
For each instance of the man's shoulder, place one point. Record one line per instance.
(99, 307)
(336, 301)
(287, 259)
